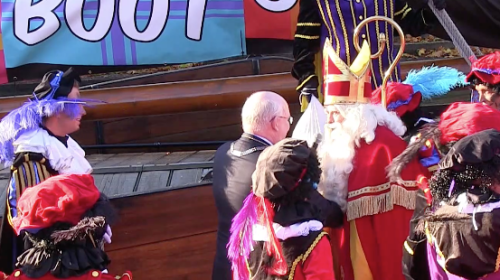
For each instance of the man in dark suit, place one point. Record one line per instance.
(266, 120)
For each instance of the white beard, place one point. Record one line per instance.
(338, 148)
(336, 156)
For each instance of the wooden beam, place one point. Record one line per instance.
(200, 95)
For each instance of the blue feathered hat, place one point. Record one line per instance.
(49, 98)
(424, 84)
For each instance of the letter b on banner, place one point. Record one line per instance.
(24, 12)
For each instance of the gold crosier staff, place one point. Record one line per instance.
(382, 40)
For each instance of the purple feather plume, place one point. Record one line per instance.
(241, 241)
(29, 117)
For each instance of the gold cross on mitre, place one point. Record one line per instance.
(344, 84)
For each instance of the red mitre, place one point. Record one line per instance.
(462, 119)
(400, 98)
(344, 84)
(61, 198)
(486, 69)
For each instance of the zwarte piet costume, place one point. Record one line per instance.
(465, 138)
(278, 234)
(34, 153)
(66, 221)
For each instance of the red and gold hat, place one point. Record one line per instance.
(344, 84)
(400, 98)
(486, 69)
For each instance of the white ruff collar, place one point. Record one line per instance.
(259, 232)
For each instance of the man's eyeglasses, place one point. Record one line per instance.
(290, 119)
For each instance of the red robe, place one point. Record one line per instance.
(91, 275)
(316, 264)
(369, 245)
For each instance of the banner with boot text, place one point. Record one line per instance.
(136, 32)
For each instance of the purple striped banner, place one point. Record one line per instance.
(117, 36)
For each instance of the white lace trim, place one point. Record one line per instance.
(259, 232)
(63, 160)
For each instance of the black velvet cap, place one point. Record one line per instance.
(66, 84)
(473, 149)
(280, 167)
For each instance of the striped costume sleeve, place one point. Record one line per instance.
(28, 170)
(306, 44)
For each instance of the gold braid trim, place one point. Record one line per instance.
(375, 204)
(408, 248)
(306, 37)
(402, 10)
(405, 13)
(303, 257)
(299, 87)
(497, 263)
(308, 24)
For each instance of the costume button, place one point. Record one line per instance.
(363, 36)
(95, 274)
(17, 274)
(360, 17)
(357, 1)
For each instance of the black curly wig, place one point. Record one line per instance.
(477, 178)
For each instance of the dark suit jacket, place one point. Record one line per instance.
(232, 183)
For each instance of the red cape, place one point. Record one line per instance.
(378, 211)
(368, 181)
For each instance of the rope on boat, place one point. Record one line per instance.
(456, 37)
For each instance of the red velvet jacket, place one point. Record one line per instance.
(91, 275)
(316, 264)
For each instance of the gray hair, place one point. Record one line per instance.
(259, 109)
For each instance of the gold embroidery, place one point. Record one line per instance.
(379, 188)
(308, 24)
(327, 4)
(408, 248)
(402, 10)
(380, 203)
(304, 82)
(497, 263)
(344, 31)
(391, 58)
(43, 173)
(20, 183)
(30, 174)
(9, 211)
(322, 14)
(374, 78)
(405, 13)
(306, 37)
(303, 257)
(377, 31)
(313, 245)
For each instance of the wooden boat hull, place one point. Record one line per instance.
(165, 235)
